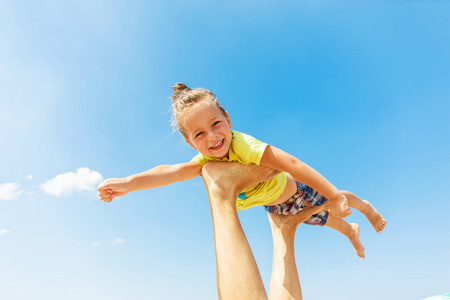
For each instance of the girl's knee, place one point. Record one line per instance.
(345, 192)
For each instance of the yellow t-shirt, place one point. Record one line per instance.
(245, 149)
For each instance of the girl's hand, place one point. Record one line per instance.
(111, 188)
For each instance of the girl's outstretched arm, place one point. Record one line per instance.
(282, 161)
(158, 176)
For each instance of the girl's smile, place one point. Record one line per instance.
(217, 146)
(208, 130)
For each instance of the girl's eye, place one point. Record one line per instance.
(215, 123)
(198, 134)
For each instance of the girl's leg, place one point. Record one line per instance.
(238, 276)
(364, 206)
(349, 230)
(285, 283)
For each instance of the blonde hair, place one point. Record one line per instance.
(184, 98)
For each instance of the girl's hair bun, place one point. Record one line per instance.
(178, 88)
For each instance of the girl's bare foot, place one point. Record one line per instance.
(356, 242)
(374, 217)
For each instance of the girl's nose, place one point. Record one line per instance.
(212, 135)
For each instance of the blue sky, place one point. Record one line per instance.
(359, 90)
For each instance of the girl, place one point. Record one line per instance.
(206, 126)
(290, 197)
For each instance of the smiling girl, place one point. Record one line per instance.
(206, 126)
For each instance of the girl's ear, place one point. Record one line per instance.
(228, 119)
(189, 142)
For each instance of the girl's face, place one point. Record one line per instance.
(208, 130)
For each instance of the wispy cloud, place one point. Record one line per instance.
(96, 244)
(117, 241)
(9, 191)
(3, 232)
(68, 183)
(29, 177)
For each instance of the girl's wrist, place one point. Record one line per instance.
(128, 181)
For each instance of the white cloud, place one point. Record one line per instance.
(68, 183)
(3, 232)
(96, 244)
(29, 177)
(9, 191)
(118, 241)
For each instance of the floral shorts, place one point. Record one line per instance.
(304, 197)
